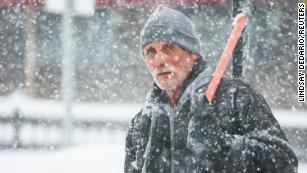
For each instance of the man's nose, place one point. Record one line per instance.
(159, 59)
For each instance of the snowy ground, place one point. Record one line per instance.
(91, 158)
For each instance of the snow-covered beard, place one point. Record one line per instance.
(166, 69)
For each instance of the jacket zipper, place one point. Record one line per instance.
(172, 138)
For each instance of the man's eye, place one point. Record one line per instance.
(169, 49)
(151, 52)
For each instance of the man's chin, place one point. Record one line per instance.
(166, 85)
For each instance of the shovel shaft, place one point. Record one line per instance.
(239, 25)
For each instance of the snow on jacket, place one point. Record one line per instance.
(236, 133)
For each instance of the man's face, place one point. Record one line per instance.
(169, 64)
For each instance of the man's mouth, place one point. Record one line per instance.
(164, 71)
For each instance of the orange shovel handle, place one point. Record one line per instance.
(239, 25)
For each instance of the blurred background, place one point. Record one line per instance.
(72, 77)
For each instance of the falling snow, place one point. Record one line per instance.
(109, 79)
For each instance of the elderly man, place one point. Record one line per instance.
(178, 131)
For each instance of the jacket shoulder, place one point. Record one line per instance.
(135, 118)
(234, 86)
(234, 82)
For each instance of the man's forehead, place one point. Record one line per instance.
(160, 44)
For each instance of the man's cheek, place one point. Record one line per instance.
(172, 61)
(151, 67)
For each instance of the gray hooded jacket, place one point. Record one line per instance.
(236, 133)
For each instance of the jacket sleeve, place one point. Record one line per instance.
(262, 146)
(259, 144)
(130, 157)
